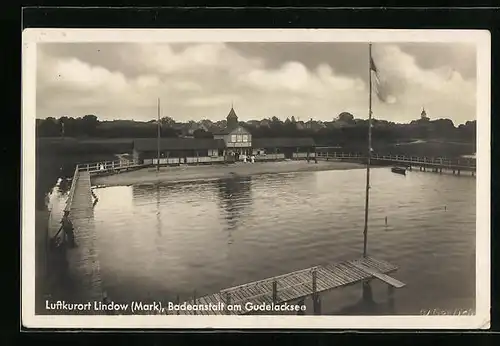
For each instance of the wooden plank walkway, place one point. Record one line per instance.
(296, 285)
(463, 164)
(108, 167)
(83, 264)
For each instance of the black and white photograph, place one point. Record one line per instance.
(256, 178)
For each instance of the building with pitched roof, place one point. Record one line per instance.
(237, 138)
(178, 150)
(226, 146)
(279, 148)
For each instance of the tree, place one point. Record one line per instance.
(49, 127)
(346, 117)
(167, 121)
(89, 124)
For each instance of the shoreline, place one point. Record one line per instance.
(213, 172)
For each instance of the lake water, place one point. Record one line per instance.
(159, 241)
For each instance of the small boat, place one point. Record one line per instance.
(398, 170)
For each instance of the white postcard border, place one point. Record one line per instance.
(31, 37)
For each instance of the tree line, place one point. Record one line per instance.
(342, 130)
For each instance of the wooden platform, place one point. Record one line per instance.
(108, 167)
(83, 264)
(295, 286)
(456, 164)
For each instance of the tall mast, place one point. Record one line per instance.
(158, 139)
(365, 232)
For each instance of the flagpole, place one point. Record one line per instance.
(158, 139)
(365, 232)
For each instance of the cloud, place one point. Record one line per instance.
(295, 77)
(74, 73)
(442, 87)
(197, 81)
(187, 86)
(214, 100)
(163, 59)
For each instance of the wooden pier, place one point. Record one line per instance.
(108, 167)
(292, 287)
(431, 164)
(83, 262)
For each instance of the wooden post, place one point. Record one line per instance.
(315, 295)
(317, 305)
(314, 276)
(275, 291)
(390, 297)
(301, 303)
(194, 301)
(228, 300)
(158, 139)
(369, 153)
(367, 293)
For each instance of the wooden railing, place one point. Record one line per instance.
(58, 238)
(71, 194)
(441, 161)
(336, 155)
(106, 165)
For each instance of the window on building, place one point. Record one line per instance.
(238, 138)
(245, 138)
(233, 138)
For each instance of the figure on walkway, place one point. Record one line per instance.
(68, 229)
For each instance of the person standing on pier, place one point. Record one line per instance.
(68, 228)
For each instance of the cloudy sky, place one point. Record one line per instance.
(304, 80)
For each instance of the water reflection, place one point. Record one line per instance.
(367, 305)
(235, 199)
(159, 224)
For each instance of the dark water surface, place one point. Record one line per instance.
(157, 241)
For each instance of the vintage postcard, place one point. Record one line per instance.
(325, 179)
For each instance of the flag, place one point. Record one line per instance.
(372, 65)
(380, 85)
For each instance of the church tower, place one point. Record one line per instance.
(232, 118)
(423, 115)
